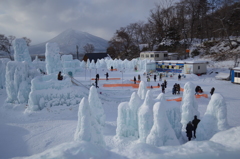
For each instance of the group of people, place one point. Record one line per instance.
(191, 127)
(164, 85)
(176, 89)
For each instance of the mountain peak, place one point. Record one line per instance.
(69, 39)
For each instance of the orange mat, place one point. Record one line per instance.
(153, 86)
(113, 69)
(136, 81)
(108, 78)
(121, 85)
(180, 98)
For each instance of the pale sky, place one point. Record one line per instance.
(42, 20)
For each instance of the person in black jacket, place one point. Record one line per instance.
(212, 91)
(195, 124)
(189, 130)
(60, 77)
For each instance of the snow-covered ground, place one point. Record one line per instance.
(49, 133)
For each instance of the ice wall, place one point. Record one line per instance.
(214, 119)
(161, 133)
(3, 65)
(145, 117)
(47, 91)
(21, 52)
(53, 63)
(69, 65)
(189, 104)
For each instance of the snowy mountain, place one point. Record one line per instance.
(69, 39)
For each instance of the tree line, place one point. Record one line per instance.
(177, 25)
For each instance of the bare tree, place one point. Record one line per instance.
(5, 44)
(28, 41)
(89, 48)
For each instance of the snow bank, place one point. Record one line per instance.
(229, 138)
(77, 150)
(189, 104)
(214, 119)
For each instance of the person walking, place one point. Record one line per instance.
(155, 77)
(96, 83)
(189, 129)
(106, 76)
(134, 79)
(97, 76)
(139, 78)
(174, 90)
(165, 83)
(179, 77)
(195, 124)
(160, 77)
(212, 91)
(163, 87)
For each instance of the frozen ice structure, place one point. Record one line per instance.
(134, 105)
(3, 65)
(214, 119)
(123, 129)
(83, 131)
(173, 113)
(161, 133)
(145, 117)
(40, 65)
(189, 104)
(127, 120)
(142, 90)
(53, 63)
(88, 127)
(21, 52)
(96, 107)
(19, 74)
(16, 76)
(92, 65)
(70, 65)
(47, 91)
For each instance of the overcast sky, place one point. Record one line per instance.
(41, 20)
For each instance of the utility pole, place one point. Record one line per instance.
(77, 51)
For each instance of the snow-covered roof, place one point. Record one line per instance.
(154, 52)
(182, 61)
(236, 68)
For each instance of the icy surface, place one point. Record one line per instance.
(214, 119)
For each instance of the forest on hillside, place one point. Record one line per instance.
(176, 26)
